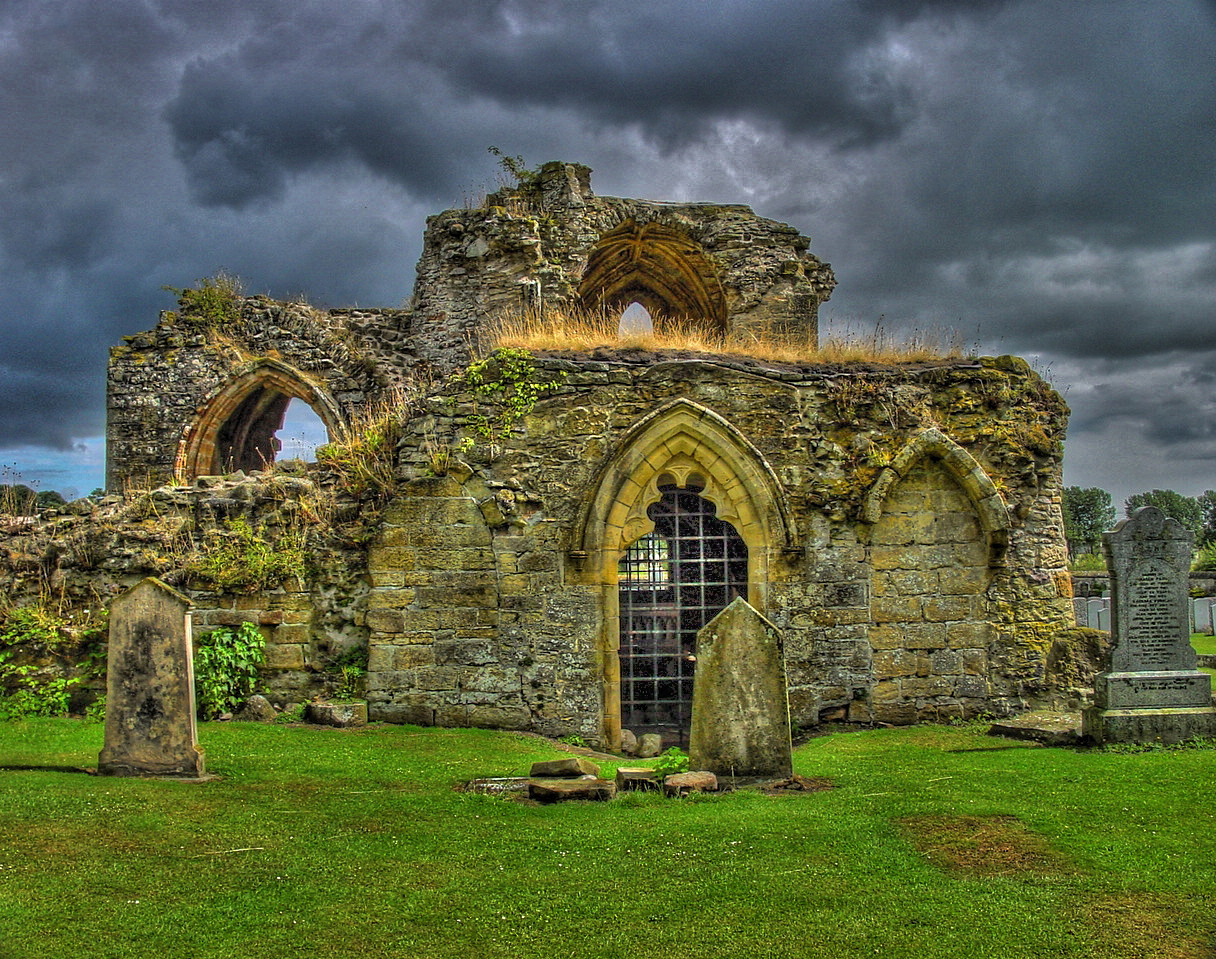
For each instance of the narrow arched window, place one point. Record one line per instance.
(671, 583)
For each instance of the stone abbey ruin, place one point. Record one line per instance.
(540, 535)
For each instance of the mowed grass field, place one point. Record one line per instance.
(935, 842)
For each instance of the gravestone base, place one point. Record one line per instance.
(185, 767)
(1148, 725)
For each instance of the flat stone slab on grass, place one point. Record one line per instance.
(1053, 729)
(565, 790)
(564, 768)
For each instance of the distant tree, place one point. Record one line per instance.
(1185, 509)
(1088, 513)
(17, 499)
(48, 497)
(1207, 503)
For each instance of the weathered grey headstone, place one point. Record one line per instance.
(150, 725)
(740, 701)
(1150, 690)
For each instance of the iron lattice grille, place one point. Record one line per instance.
(672, 582)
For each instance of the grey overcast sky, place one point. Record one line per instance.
(1038, 174)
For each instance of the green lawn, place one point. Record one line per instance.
(937, 842)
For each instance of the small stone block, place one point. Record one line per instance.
(681, 784)
(564, 768)
(341, 715)
(633, 778)
(565, 790)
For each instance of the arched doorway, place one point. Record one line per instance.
(671, 582)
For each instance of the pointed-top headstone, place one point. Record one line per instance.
(150, 725)
(740, 704)
(1150, 689)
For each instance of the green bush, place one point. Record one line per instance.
(214, 303)
(226, 665)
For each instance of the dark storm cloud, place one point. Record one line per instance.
(1040, 174)
(396, 94)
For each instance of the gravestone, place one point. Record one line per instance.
(740, 703)
(150, 725)
(1150, 690)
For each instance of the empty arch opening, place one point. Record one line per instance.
(301, 433)
(635, 321)
(239, 426)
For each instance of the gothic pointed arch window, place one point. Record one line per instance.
(685, 515)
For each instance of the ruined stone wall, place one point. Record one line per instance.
(916, 605)
(72, 561)
(163, 385)
(903, 528)
(558, 246)
(204, 391)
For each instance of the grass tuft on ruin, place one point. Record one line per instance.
(583, 331)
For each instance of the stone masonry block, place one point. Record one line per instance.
(391, 598)
(888, 609)
(386, 620)
(285, 657)
(944, 609)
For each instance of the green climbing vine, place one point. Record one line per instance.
(508, 379)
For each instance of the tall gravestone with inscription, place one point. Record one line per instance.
(150, 726)
(1151, 690)
(740, 702)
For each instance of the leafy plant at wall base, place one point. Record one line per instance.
(226, 663)
(31, 695)
(673, 761)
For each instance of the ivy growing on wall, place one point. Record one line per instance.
(506, 378)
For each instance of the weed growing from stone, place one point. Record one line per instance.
(240, 558)
(507, 378)
(552, 330)
(214, 303)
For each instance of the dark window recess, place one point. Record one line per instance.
(672, 582)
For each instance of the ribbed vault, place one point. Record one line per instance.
(661, 269)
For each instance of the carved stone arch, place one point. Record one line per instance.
(989, 504)
(235, 424)
(659, 267)
(683, 440)
(686, 445)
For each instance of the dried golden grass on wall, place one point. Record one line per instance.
(580, 331)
